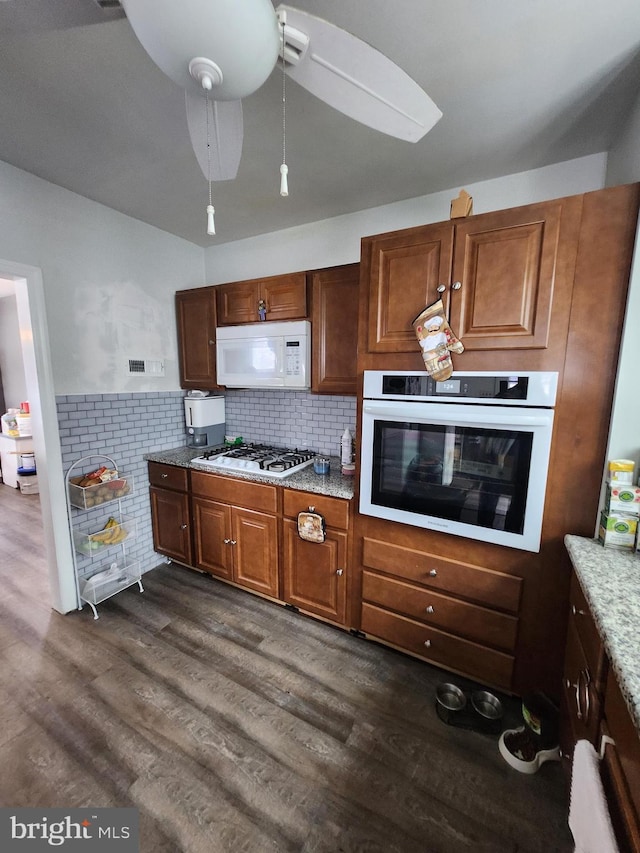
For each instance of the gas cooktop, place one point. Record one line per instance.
(260, 459)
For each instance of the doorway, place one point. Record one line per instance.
(34, 339)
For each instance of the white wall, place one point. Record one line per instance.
(623, 167)
(11, 363)
(109, 283)
(337, 241)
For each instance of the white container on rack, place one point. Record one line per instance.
(28, 461)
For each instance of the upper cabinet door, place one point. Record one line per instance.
(237, 303)
(505, 264)
(280, 297)
(285, 296)
(406, 268)
(335, 330)
(196, 326)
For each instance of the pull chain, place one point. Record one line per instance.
(211, 228)
(284, 169)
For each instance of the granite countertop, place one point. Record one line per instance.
(332, 484)
(610, 580)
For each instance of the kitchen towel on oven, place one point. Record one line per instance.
(311, 526)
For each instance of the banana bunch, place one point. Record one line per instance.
(111, 534)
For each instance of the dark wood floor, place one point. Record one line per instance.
(233, 724)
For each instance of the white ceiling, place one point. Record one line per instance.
(521, 85)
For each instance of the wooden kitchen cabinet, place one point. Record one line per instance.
(196, 325)
(498, 270)
(585, 670)
(170, 514)
(316, 574)
(593, 708)
(284, 297)
(334, 316)
(236, 531)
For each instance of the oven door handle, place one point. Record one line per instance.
(460, 415)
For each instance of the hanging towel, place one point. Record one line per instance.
(589, 819)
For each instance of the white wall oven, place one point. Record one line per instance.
(468, 456)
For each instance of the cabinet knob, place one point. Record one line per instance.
(456, 285)
(427, 644)
(233, 541)
(183, 527)
(430, 609)
(441, 288)
(575, 611)
(433, 573)
(339, 572)
(164, 476)
(212, 343)
(227, 541)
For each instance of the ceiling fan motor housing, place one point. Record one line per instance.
(240, 38)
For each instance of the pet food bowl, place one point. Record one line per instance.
(486, 704)
(450, 697)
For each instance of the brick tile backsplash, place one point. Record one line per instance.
(125, 427)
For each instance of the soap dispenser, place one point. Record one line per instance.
(346, 447)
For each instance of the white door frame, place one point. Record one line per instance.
(36, 353)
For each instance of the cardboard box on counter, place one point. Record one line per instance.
(618, 529)
(621, 497)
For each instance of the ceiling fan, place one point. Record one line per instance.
(228, 49)
(220, 51)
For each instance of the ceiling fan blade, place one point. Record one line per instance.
(355, 78)
(23, 17)
(225, 134)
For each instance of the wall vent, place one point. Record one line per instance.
(145, 367)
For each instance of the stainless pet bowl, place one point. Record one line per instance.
(486, 704)
(450, 697)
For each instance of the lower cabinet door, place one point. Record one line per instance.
(255, 549)
(170, 522)
(315, 573)
(212, 537)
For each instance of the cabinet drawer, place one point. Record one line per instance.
(586, 629)
(334, 510)
(168, 476)
(258, 496)
(496, 589)
(477, 623)
(439, 647)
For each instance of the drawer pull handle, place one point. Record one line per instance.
(430, 609)
(427, 644)
(433, 573)
(576, 611)
(339, 572)
(583, 678)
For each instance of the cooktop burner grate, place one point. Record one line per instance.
(259, 459)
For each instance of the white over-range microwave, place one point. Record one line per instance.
(468, 456)
(265, 355)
